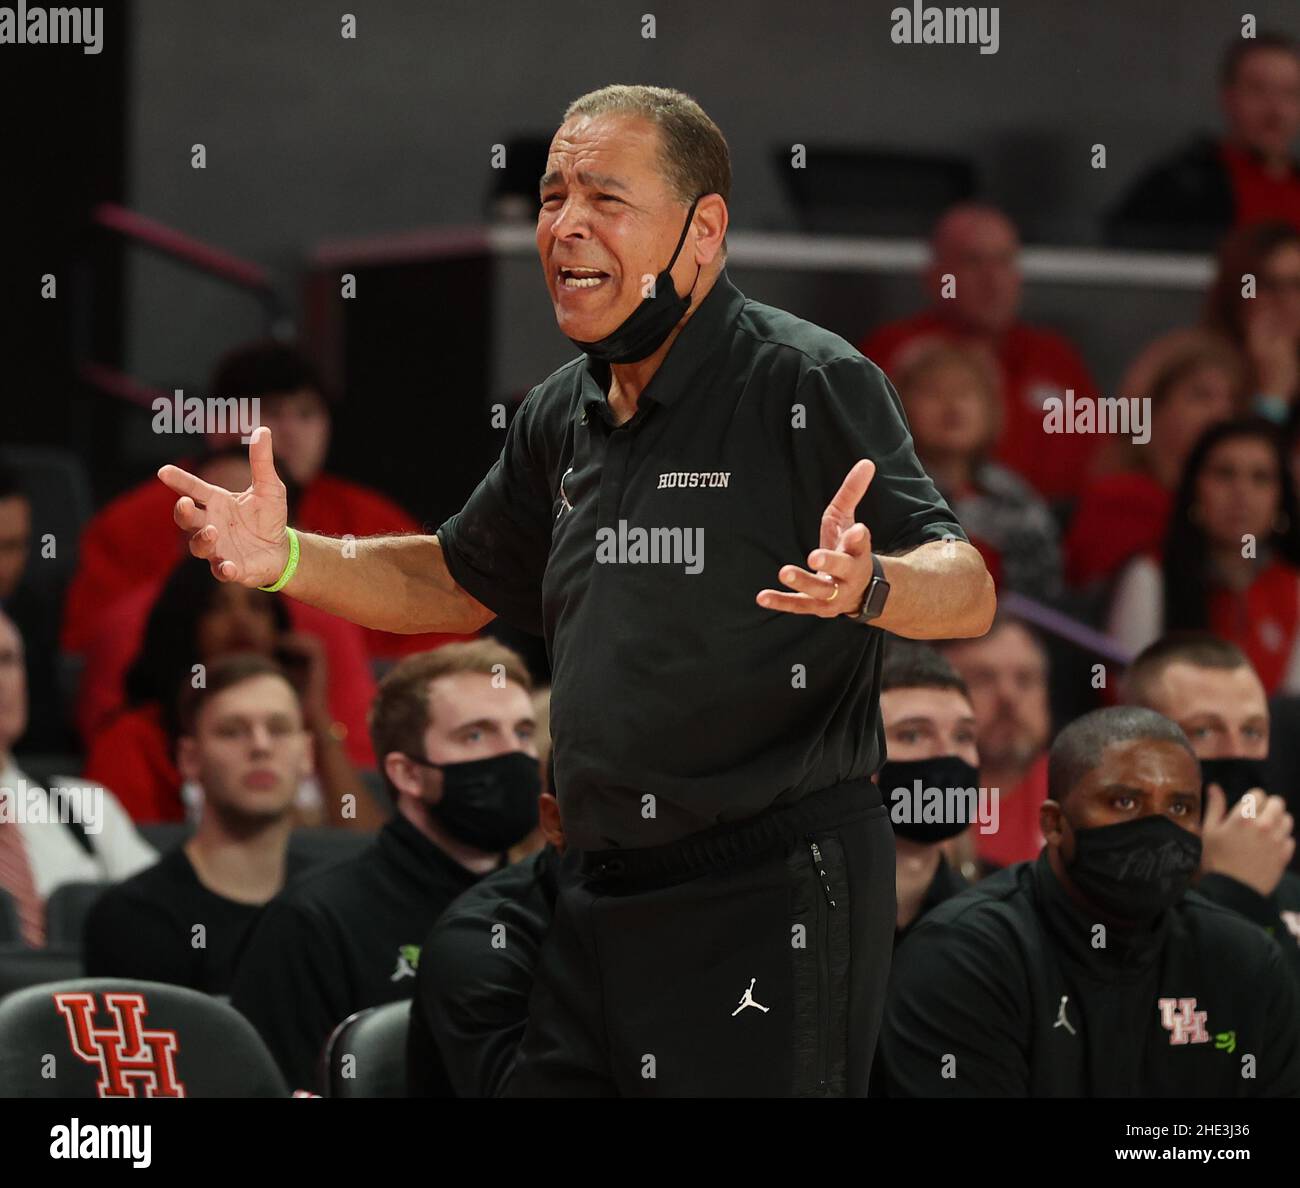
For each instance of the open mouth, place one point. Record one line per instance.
(581, 278)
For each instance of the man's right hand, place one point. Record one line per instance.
(1254, 850)
(242, 537)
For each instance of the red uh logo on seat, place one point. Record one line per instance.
(129, 1057)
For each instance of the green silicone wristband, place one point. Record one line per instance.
(290, 566)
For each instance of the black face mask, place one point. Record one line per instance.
(897, 783)
(489, 804)
(1235, 776)
(643, 331)
(1136, 869)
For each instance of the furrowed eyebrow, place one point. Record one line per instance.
(601, 181)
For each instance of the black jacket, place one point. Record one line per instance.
(1000, 992)
(1278, 914)
(1184, 203)
(341, 938)
(476, 974)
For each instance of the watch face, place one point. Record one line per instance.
(874, 603)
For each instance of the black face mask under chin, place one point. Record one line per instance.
(1136, 869)
(645, 329)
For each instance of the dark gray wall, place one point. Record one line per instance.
(309, 136)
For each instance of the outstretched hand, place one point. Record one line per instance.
(842, 561)
(241, 536)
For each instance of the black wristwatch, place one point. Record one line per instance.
(873, 601)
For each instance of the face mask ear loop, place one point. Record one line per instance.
(690, 214)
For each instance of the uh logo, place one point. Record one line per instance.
(129, 1057)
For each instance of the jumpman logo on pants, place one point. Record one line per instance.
(747, 1000)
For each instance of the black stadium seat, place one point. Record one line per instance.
(366, 1054)
(114, 1037)
(10, 931)
(164, 835)
(66, 910)
(21, 966)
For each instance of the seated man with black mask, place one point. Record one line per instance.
(1209, 688)
(453, 731)
(1092, 971)
(929, 736)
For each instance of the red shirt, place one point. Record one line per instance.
(1035, 364)
(133, 541)
(132, 758)
(101, 695)
(1119, 517)
(1018, 837)
(1261, 620)
(1258, 197)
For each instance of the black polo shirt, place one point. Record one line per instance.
(341, 938)
(638, 549)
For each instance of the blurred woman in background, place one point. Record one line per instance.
(1230, 562)
(953, 406)
(194, 621)
(1193, 378)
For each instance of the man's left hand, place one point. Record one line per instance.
(840, 570)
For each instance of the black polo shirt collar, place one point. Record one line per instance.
(707, 331)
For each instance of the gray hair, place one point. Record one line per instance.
(695, 157)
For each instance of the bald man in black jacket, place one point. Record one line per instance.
(1092, 972)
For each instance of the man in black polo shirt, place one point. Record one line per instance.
(714, 737)
(1093, 971)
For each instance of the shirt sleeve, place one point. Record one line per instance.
(1279, 1057)
(473, 999)
(290, 986)
(1259, 909)
(851, 411)
(954, 1018)
(496, 547)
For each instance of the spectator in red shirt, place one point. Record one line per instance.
(1193, 379)
(953, 407)
(1265, 325)
(975, 281)
(195, 621)
(1231, 557)
(1006, 673)
(1246, 177)
(116, 556)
